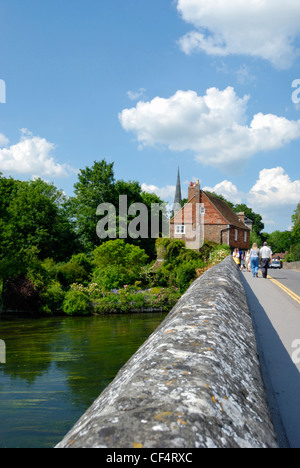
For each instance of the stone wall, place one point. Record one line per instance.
(195, 383)
(291, 265)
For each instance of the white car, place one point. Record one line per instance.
(275, 264)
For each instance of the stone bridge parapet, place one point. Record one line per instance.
(195, 383)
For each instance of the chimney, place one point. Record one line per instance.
(241, 217)
(194, 192)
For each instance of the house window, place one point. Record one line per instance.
(235, 234)
(245, 236)
(180, 229)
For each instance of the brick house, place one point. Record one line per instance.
(206, 217)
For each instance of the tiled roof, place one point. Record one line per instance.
(227, 213)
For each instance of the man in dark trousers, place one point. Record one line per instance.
(265, 254)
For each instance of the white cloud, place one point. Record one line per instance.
(228, 190)
(166, 193)
(32, 155)
(213, 127)
(259, 28)
(3, 140)
(274, 188)
(136, 95)
(275, 197)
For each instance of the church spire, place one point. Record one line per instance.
(178, 196)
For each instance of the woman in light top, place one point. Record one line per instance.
(254, 260)
(247, 260)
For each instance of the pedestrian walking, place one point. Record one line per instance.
(254, 260)
(236, 258)
(241, 255)
(265, 254)
(247, 260)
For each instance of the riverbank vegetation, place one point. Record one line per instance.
(116, 277)
(53, 262)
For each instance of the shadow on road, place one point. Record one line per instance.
(281, 376)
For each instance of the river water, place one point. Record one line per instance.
(56, 367)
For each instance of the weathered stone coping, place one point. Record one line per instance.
(291, 265)
(194, 383)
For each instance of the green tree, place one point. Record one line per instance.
(258, 225)
(133, 193)
(294, 255)
(160, 219)
(296, 222)
(280, 242)
(33, 227)
(95, 185)
(32, 216)
(151, 218)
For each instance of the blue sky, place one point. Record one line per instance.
(153, 85)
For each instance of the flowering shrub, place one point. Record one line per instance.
(128, 299)
(93, 290)
(218, 255)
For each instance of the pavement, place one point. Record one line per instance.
(275, 308)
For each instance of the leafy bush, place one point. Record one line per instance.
(51, 268)
(118, 252)
(1, 302)
(113, 277)
(294, 255)
(83, 260)
(52, 299)
(76, 303)
(186, 274)
(174, 249)
(161, 245)
(70, 273)
(206, 250)
(180, 265)
(118, 263)
(296, 252)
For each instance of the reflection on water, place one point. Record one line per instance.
(55, 368)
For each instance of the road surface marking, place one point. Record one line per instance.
(285, 289)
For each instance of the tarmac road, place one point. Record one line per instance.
(288, 278)
(275, 307)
